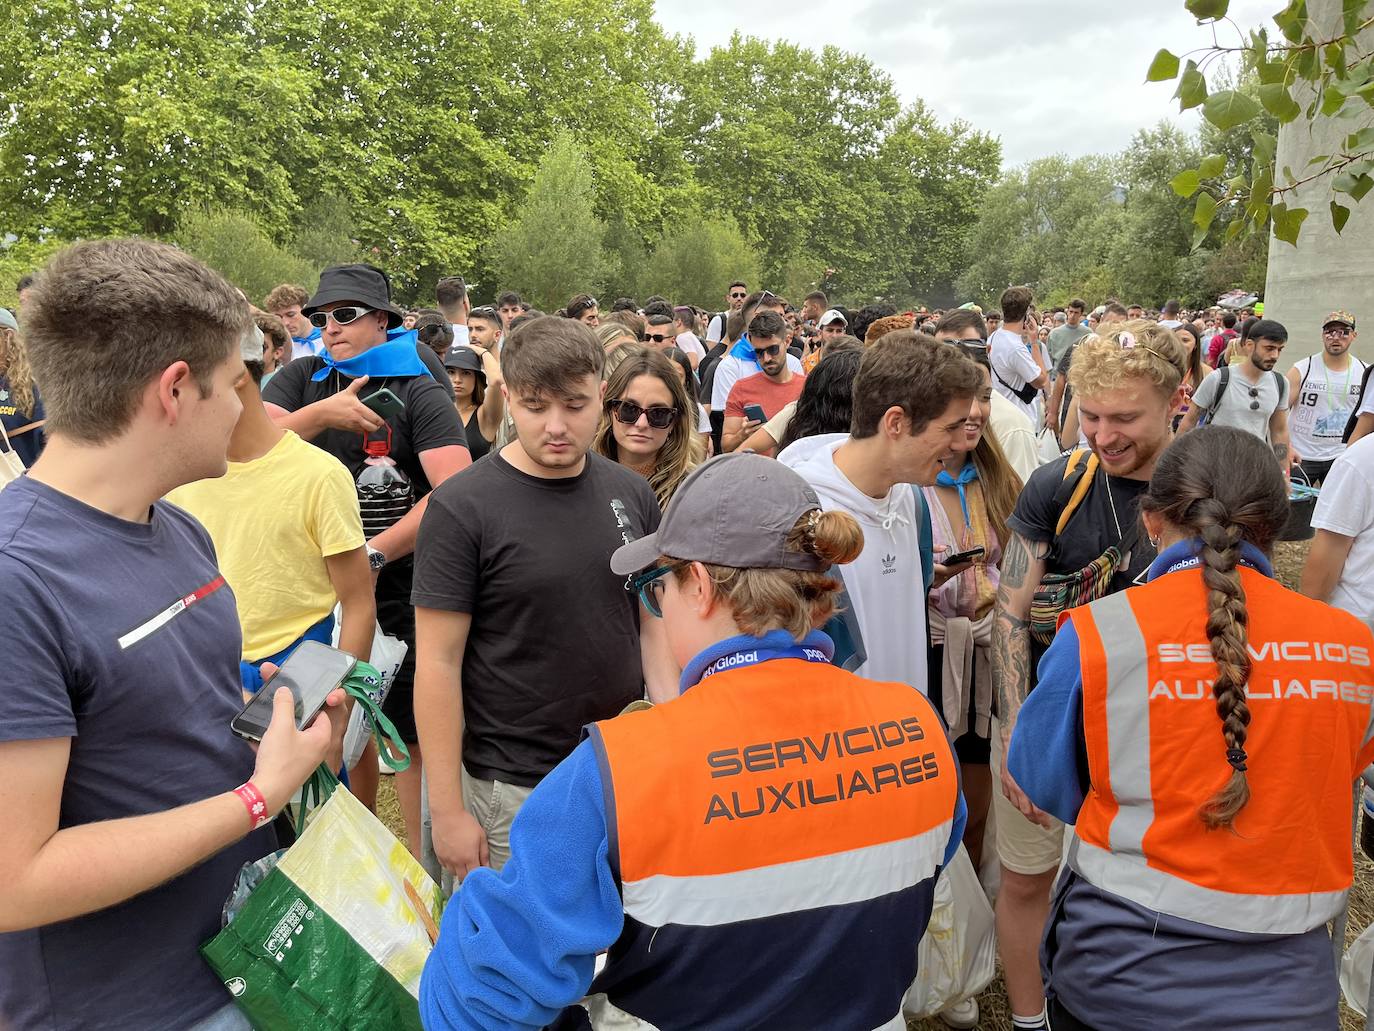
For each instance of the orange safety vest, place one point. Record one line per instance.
(776, 832)
(1156, 754)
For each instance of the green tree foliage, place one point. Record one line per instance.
(1303, 70)
(555, 247)
(696, 259)
(239, 248)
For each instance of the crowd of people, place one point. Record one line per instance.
(726, 633)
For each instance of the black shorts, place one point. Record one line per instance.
(968, 747)
(396, 616)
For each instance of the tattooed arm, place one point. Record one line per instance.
(1022, 566)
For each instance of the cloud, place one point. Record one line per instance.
(1062, 77)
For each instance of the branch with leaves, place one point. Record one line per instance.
(1302, 72)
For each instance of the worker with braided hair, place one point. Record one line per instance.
(1203, 732)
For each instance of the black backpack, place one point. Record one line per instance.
(1359, 403)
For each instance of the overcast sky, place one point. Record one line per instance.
(1074, 82)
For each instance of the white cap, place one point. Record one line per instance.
(252, 344)
(831, 315)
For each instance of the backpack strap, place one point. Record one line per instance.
(1079, 473)
(1281, 384)
(1222, 384)
(1359, 400)
(926, 535)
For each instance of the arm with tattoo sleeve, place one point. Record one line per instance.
(1023, 565)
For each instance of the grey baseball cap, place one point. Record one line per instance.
(736, 510)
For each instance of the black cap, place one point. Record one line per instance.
(362, 284)
(462, 357)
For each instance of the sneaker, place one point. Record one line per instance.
(961, 1015)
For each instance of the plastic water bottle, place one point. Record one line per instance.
(385, 493)
(1367, 823)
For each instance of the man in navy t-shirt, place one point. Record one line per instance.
(129, 804)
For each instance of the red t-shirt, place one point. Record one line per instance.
(759, 390)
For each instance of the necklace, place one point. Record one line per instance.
(1111, 503)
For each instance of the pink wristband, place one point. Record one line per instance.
(254, 802)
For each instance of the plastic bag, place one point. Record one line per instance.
(1356, 966)
(332, 937)
(387, 655)
(958, 954)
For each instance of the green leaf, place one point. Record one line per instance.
(1353, 13)
(1185, 184)
(1340, 214)
(1265, 145)
(1233, 230)
(1229, 108)
(1363, 186)
(1288, 224)
(1192, 87)
(1292, 20)
(1164, 66)
(1335, 59)
(1332, 101)
(1270, 72)
(1212, 166)
(1204, 211)
(1279, 102)
(1360, 141)
(1320, 159)
(1205, 9)
(1309, 65)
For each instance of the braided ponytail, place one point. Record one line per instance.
(1223, 485)
(1227, 623)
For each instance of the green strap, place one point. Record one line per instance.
(360, 685)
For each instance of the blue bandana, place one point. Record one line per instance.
(744, 650)
(967, 475)
(744, 351)
(312, 341)
(396, 358)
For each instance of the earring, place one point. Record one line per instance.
(1154, 543)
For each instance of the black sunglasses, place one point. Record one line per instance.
(486, 310)
(1254, 399)
(737, 297)
(771, 351)
(659, 338)
(341, 316)
(628, 412)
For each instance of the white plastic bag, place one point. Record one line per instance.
(387, 655)
(1355, 969)
(958, 955)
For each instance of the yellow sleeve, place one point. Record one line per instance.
(338, 525)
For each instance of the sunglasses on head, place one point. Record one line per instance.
(486, 310)
(771, 351)
(659, 338)
(341, 316)
(628, 412)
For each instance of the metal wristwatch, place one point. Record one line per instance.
(375, 559)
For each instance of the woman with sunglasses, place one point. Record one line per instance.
(649, 423)
(761, 851)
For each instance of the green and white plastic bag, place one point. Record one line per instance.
(330, 938)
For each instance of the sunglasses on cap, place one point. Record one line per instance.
(341, 316)
(659, 338)
(628, 412)
(772, 351)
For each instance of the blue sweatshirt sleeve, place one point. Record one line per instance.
(956, 832)
(515, 948)
(1043, 758)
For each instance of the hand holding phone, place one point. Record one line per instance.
(385, 403)
(755, 413)
(960, 558)
(312, 672)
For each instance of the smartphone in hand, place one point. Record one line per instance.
(755, 412)
(312, 672)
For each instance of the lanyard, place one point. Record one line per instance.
(746, 650)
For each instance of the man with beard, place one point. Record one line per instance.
(771, 389)
(1250, 395)
(1127, 397)
(1325, 389)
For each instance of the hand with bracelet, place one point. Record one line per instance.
(287, 756)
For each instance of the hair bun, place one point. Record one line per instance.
(834, 537)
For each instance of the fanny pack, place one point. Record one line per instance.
(1026, 393)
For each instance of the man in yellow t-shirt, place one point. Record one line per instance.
(288, 537)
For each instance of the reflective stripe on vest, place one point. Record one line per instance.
(607, 1016)
(1156, 754)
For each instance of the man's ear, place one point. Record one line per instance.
(170, 390)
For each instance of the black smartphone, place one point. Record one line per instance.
(960, 557)
(312, 671)
(755, 412)
(385, 403)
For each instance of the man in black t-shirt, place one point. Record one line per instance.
(525, 635)
(1127, 397)
(322, 400)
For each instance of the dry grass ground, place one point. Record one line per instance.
(995, 1013)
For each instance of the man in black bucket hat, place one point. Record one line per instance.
(374, 395)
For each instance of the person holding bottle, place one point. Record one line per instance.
(375, 394)
(1202, 732)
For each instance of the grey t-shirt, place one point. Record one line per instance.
(1062, 338)
(1246, 406)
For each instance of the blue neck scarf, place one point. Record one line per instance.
(967, 475)
(744, 650)
(396, 358)
(312, 339)
(744, 351)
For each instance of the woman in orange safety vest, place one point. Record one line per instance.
(1203, 732)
